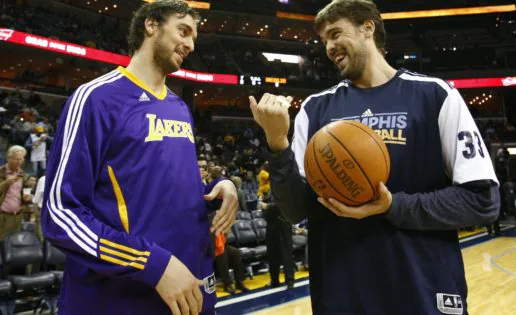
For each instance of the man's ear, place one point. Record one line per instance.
(150, 27)
(369, 28)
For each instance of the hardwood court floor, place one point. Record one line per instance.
(490, 272)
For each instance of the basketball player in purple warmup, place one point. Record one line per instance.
(124, 198)
(398, 254)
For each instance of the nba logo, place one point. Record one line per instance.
(449, 303)
(209, 283)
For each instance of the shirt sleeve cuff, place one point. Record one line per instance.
(393, 213)
(279, 160)
(155, 266)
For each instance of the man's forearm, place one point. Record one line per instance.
(446, 209)
(288, 187)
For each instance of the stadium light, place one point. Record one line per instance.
(282, 57)
(449, 12)
(418, 14)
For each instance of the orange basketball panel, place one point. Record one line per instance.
(341, 171)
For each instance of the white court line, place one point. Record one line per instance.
(469, 238)
(280, 305)
(259, 294)
(494, 263)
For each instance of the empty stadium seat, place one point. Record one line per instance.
(20, 250)
(230, 237)
(242, 215)
(6, 288)
(245, 252)
(299, 241)
(28, 227)
(247, 243)
(54, 261)
(257, 214)
(7, 302)
(248, 240)
(244, 233)
(260, 228)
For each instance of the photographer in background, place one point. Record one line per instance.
(12, 199)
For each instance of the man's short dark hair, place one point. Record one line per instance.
(158, 11)
(357, 12)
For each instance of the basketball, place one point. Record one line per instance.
(346, 160)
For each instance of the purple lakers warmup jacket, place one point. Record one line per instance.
(123, 193)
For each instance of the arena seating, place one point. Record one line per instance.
(22, 285)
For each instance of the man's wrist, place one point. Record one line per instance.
(278, 144)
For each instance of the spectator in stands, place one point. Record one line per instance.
(219, 147)
(38, 203)
(248, 133)
(12, 199)
(234, 170)
(203, 168)
(255, 142)
(250, 187)
(30, 183)
(490, 133)
(231, 258)
(226, 257)
(493, 229)
(209, 168)
(215, 173)
(37, 144)
(301, 229)
(242, 204)
(229, 140)
(263, 180)
(508, 193)
(279, 242)
(28, 190)
(207, 147)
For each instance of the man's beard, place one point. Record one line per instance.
(356, 66)
(163, 57)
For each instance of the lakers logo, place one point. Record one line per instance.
(160, 128)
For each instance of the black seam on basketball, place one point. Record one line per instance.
(351, 155)
(384, 157)
(308, 172)
(324, 175)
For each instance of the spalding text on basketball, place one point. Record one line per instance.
(339, 170)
